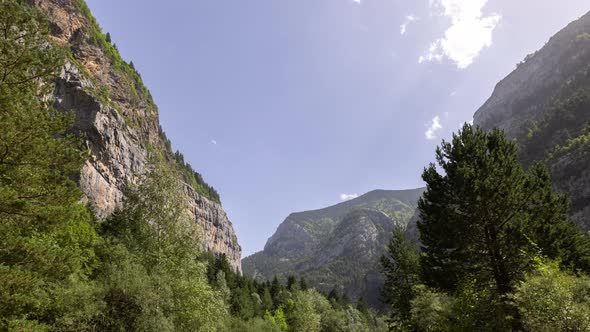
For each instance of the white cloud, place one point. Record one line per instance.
(468, 34)
(433, 127)
(403, 28)
(214, 142)
(357, 1)
(346, 197)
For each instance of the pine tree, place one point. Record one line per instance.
(266, 298)
(362, 306)
(486, 217)
(291, 281)
(303, 284)
(401, 268)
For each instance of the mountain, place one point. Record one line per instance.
(336, 246)
(116, 114)
(545, 105)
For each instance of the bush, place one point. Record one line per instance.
(431, 310)
(552, 300)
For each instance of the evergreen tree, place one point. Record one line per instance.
(291, 281)
(401, 268)
(108, 37)
(486, 217)
(266, 298)
(303, 284)
(275, 290)
(362, 306)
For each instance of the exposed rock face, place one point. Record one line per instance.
(523, 95)
(338, 246)
(545, 105)
(120, 123)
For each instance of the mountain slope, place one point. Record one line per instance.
(545, 105)
(336, 246)
(119, 119)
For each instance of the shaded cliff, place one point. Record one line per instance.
(338, 246)
(545, 105)
(119, 120)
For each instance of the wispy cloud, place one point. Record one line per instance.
(346, 197)
(214, 142)
(357, 1)
(403, 28)
(468, 34)
(433, 127)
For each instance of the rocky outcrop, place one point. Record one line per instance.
(116, 115)
(338, 246)
(544, 104)
(523, 96)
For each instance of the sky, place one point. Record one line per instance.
(293, 105)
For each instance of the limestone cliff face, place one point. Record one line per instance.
(119, 120)
(545, 105)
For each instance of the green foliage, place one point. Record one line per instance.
(152, 277)
(195, 179)
(482, 223)
(469, 309)
(487, 217)
(562, 128)
(401, 268)
(430, 310)
(99, 39)
(278, 318)
(46, 236)
(303, 315)
(552, 300)
(295, 309)
(254, 325)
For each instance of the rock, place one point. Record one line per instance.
(543, 104)
(120, 125)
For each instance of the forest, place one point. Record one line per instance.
(496, 252)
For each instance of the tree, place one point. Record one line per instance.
(553, 300)
(46, 236)
(485, 216)
(430, 310)
(150, 262)
(108, 37)
(334, 298)
(302, 284)
(362, 306)
(291, 282)
(302, 313)
(401, 268)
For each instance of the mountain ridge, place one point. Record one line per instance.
(320, 244)
(543, 104)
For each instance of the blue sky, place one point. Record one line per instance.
(290, 105)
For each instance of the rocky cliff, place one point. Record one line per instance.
(119, 120)
(545, 105)
(338, 246)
